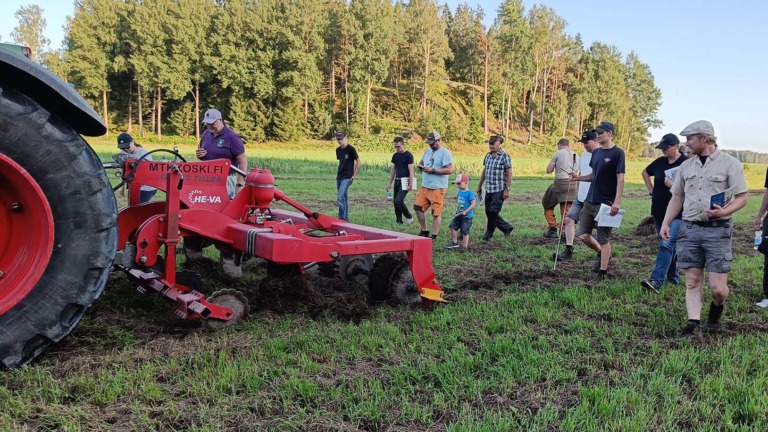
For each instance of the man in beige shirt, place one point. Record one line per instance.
(706, 232)
(564, 162)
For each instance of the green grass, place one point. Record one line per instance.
(519, 346)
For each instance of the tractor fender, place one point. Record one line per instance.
(47, 89)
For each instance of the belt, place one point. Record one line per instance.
(725, 223)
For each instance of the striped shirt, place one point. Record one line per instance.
(496, 171)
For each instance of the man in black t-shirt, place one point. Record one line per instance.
(664, 170)
(761, 223)
(349, 165)
(402, 171)
(607, 187)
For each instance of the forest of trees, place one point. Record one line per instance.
(289, 69)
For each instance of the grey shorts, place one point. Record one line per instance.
(705, 247)
(587, 223)
(575, 210)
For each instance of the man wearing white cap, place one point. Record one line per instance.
(220, 142)
(709, 188)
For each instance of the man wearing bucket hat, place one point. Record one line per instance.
(497, 173)
(709, 188)
(663, 170)
(436, 166)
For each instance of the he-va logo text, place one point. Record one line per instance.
(196, 197)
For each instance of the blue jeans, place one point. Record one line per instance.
(146, 196)
(666, 259)
(342, 186)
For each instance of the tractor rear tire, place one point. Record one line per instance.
(84, 212)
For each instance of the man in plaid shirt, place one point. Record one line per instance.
(497, 171)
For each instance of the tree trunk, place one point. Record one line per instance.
(332, 85)
(485, 94)
(306, 108)
(106, 114)
(141, 113)
(159, 111)
(130, 106)
(426, 76)
(346, 91)
(197, 111)
(368, 105)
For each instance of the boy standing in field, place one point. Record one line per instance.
(462, 221)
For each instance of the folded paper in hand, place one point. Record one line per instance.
(404, 182)
(672, 173)
(604, 218)
(722, 199)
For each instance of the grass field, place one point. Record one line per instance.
(519, 346)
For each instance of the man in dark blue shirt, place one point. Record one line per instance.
(607, 177)
(402, 175)
(349, 165)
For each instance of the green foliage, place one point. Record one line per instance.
(29, 32)
(182, 119)
(288, 123)
(248, 118)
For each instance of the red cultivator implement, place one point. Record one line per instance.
(197, 206)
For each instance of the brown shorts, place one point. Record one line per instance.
(430, 197)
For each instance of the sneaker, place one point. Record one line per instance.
(694, 332)
(674, 281)
(409, 221)
(565, 255)
(596, 264)
(597, 278)
(399, 222)
(424, 233)
(651, 285)
(551, 233)
(712, 327)
(508, 233)
(763, 303)
(452, 245)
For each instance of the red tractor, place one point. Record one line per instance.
(61, 234)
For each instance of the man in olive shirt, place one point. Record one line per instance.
(706, 232)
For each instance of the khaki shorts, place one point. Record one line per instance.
(430, 197)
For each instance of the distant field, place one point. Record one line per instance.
(519, 346)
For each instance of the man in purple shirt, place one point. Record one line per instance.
(220, 142)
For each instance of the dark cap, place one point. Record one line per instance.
(606, 126)
(124, 140)
(668, 141)
(589, 135)
(398, 139)
(495, 138)
(432, 137)
(340, 135)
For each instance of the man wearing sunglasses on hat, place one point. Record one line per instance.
(436, 166)
(607, 187)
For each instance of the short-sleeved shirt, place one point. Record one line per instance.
(224, 145)
(584, 169)
(565, 161)
(401, 162)
(465, 199)
(496, 167)
(606, 164)
(661, 195)
(346, 157)
(436, 159)
(697, 182)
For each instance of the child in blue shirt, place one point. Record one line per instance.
(462, 220)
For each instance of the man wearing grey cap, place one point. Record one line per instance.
(664, 170)
(497, 170)
(709, 188)
(220, 142)
(436, 166)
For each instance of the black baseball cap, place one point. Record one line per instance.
(668, 141)
(495, 138)
(340, 135)
(605, 126)
(588, 136)
(124, 140)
